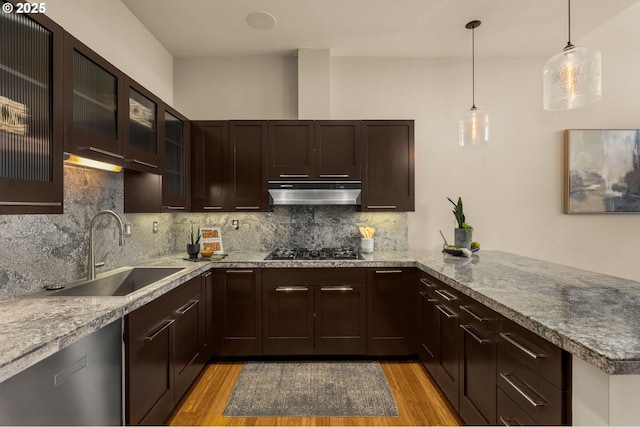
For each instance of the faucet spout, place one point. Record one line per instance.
(91, 262)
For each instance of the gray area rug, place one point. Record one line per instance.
(323, 389)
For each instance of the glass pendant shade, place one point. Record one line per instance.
(473, 128)
(572, 78)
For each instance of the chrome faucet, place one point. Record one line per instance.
(91, 263)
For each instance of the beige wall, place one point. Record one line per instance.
(110, 29)
(513, 188)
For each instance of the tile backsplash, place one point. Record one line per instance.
(41, 250)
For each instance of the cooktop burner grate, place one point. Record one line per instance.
(314, 254)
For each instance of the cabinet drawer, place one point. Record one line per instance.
(510, 414)
(545, 403)
(539, 354)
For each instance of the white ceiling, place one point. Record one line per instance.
(377, 28)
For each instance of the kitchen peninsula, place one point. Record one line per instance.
(594, 317)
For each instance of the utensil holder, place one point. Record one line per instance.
(366, 245)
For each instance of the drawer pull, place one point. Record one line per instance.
(239, 271)
(46, 204)
(247, 208)
(164, 326)
(388, 271)
(336, 288)
(468, 330)
(337, 175)
(466, 309)
(188, 307)
(302, 175)
(509, 421)
(291, 289)
(531, 353)
(426, 283)
(381, 206)
(446, 312)
(212, 208)
(207, 274)
(176, 208)
(446, 295)
(511, 380)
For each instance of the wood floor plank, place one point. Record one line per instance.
(419, 401)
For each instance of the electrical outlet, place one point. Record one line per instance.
(127, 230)
(155, 227)
(235, 223)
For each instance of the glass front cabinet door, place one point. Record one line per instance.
(142, 147)
(175, 178)
(31, 132)
(94, 105)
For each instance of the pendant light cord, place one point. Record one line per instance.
(569, 45)
(473, 67)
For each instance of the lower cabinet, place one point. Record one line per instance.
(164, 352)
(237, 312)
(491, 370)
(314, 311)
(388, 311)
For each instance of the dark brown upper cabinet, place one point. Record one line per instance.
(175, 132)
(143, 147)
(321, 149)
(95, 104)
(337, 150)
(248, 166)
(209, 166)
(388, 177)
(31, 119)
(290, 149)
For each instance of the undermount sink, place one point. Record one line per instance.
(120, 283)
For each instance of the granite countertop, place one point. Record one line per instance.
(593, 316)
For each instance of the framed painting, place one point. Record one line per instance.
(602, 171)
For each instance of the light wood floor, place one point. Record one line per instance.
(419, 402)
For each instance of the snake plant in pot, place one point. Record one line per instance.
(463, 233)
(193, 247)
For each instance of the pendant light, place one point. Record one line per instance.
(572, 78)
(474, 124)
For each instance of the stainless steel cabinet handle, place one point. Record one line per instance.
(346, 175)
(188, 307)
(446, 295)
(426, 283)
(511, 380)
(207, 274)
(336, 288)
(466, 309)
(247, 208)
(530, 353)
(468, 330)
(286, 185)
(381, 206)
(140, 162)
(294, 175)
(291, 288)
(165, 324)
(240, 271)
(388, 271)
(176, 208)
(509, 421)
(446, 312)
(105, 152)
(30, 204)
(212, 208)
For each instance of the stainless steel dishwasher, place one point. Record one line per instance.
(79, 385)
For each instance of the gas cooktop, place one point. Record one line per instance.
(314, 254)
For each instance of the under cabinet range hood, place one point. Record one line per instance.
(315, 192)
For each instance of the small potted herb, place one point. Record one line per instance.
(193, 247)
(463, 233)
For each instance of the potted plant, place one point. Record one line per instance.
(193, 247)
(464, 232)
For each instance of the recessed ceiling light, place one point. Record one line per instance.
(261, 20)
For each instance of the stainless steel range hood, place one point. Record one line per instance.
(315, 192)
